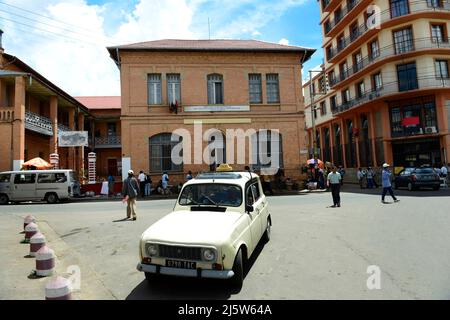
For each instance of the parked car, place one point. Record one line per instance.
(216, 224)
(415, 178)
(37, 185)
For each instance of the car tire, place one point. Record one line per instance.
(4, 199)
(238, 269)
(410, 186)
(266, 235)
(51, 198)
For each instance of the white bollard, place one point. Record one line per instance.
(45, 262)
(27, 220)
(58, 288)
(36, 242)
(30, 230)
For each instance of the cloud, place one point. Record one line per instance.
(284, 41)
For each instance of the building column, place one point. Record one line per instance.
(80, 160)
(357, 126)
(443, 127)
(372, 137)
(342, 137)
(387, 144)
(71, 152)
(18, 143)
(330, 130)
(54, 120)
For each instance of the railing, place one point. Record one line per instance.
(425, 82)
(344, 11)
(109, 141)
(41, 124)
(7, 114)
(389, 51)
(384, 16)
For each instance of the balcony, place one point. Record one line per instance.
(390, 51)
(112, 141)
(425, 82)
(384, 16)
(41, 124)
(345, 10)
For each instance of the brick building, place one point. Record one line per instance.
(222, 84)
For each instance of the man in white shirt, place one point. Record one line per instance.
(444, 171)
(334, 181)
(141, 179)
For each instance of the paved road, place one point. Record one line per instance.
(315, 252)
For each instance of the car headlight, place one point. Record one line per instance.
(152, 250)
(209, 254)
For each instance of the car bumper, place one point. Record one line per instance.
(429, 184)
(201, 273)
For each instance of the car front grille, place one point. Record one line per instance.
(176, 252)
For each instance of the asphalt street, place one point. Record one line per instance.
(315, 252)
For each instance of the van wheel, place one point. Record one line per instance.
(238, 269)
(51, 198)
(266, 235)
(3, 199)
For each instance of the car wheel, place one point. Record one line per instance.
(4, 199)
(238, 269)
(266, 235)
(51, 198)
(410, 186)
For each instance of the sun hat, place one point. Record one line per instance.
(386, 165)
(130, 172)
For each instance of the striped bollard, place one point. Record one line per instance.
(36, 242)
(58, 288)
(30, 230)
(27, 220)
(45, 262)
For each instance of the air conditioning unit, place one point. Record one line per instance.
(430, 130)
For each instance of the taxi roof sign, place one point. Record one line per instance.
(224, 167)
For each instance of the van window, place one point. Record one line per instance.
(25, 178)
(255, 190)
(52, 178)
(5, 177)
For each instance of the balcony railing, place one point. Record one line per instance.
(107, 142)
(389, 51)
(344, 11)
(384, 16)
(425, 82)
(41, 124)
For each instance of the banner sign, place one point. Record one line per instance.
(73, 139)
(216, 108)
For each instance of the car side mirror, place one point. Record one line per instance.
(249, 208)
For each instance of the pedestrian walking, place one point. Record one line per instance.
(130, 191)
(386, 182)
(165, 182)
(341, 171)
(360, 174)
(334, 181)
(111, 182)
(141, 179)
(148, 185)
(444, 171)
(369, 177)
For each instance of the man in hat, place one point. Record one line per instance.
(386, 181)
(130, 192)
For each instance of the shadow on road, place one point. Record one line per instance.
(177, 288)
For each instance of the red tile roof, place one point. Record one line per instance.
(109, 102)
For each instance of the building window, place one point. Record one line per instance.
(112, 129)
(323, 108)
(438, 33)
(354, 31)
(357, 61)
(374, 50)
(344, 70)
(333, 103)
(360, 89)
(341, 42)
(255, 88)
(441, 69)
(407, 77)
(273, 89)
(403, 40)
(154, 89)
(337, 15)
(399, 8)
(327, 26)
(218, 154)
(315, 112)
(215, 89)
(173, 88)
(331, 77)
(345, 96)
(262, 149)
(161, 147)
(377, 82)
(329, 53)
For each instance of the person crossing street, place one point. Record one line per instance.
(386, 181)
(334, 181)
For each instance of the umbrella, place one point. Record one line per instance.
(38, 163)
(313, 161)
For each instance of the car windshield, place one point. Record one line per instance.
(211, 194)
(424, 170)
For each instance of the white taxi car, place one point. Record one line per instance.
(217, 222)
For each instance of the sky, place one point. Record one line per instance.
(66, 40)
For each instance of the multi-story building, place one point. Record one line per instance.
(222, 84)
(33, 111)
(384, 95)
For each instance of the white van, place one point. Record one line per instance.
(36, 185)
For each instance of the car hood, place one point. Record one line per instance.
(193, 227)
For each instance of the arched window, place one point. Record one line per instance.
(215, 89)
(262, 146)
(161, 147)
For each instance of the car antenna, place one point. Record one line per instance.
(249, 172)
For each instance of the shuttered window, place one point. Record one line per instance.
(173, 88)
(154, 89)
(255, 89)
(215, 89)
(273, 89)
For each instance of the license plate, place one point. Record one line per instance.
(181, 264)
